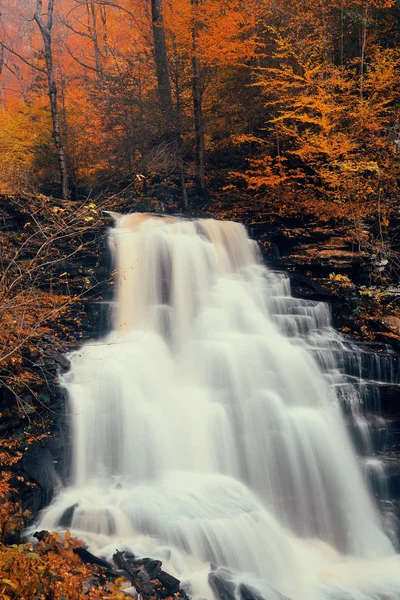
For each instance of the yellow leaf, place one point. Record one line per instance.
(10, 583)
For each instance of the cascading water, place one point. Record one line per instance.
(207, 425)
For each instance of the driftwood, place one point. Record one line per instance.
(148, 578)
(139, 577)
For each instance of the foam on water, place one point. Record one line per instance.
(207, 425)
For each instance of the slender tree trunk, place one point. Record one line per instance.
(2, 59)
(161, 60)
(172, 128)
(103, 16)
(197, 90)
(45, 27)
(180, 145)
(363, 47)
(342, 35)
(93, 32)
(72, 167)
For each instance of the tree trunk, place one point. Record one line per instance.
(197, 90)
(2, 99)
(92, 27)
(171, 120)
(161, 60)
(103, 16)
(1, 59)
(342, 35)
(363, 47)
(45, 30)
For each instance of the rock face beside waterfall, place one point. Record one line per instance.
(312, 255)
(381, 423)
(237, 453)
(314, 259)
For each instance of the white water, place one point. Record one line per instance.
(204, 430)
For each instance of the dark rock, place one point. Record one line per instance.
(89, 558)
(153, 567)
(40, 535)
(391, 520)
(67, 516)
(248, 593)
(221, 584)
(169, 582)
(38, 466)
(60, 359)
(378, 432)
(392, 324)
(391, 465)
(310, 289)
(389, 398)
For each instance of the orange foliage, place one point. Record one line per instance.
(12, 516)
(331, 130)
(306, 91)
(49, 570)
(35, 283)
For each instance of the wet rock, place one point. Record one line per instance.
(168, 585)
(391, 465)
(169, 582)
(153, 567)
(89, 558)
(391, 520)
(40, 535)
(67, 516)
(389, 394)
(392, 323)
(221, 584)
(369, 434)
(38, 466)
(60, 360)
(246, 592)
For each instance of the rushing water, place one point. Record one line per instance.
(208, 425)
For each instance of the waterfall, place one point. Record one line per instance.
(208, 426)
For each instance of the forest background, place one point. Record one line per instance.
(182, 100)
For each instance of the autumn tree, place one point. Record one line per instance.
(170, 96)
(45, 24)
(161, 61)
(328, 122)
(197, 86)
(170, 114)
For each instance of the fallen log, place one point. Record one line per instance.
(147, 577)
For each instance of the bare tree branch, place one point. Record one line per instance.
(24, 60)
